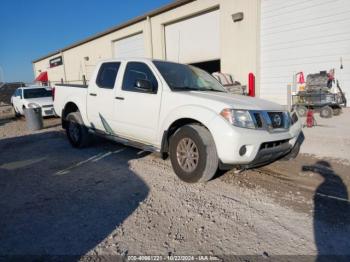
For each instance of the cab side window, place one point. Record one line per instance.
(18, 93)
(138, 71)
(107, 75)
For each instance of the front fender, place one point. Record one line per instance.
(200, 114)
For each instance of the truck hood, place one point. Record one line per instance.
(236, 101)
(41, 101)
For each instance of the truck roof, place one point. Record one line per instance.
(126, 59)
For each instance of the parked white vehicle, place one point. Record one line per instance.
(179, 111)
(33, 96)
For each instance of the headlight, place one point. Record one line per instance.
(240, 118)
(33, 105)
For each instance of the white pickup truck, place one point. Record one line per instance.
(179, 111)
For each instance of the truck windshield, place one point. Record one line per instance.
(36, 93)
(182, 77)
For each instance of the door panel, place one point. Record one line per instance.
(100, 98)
(136, 111)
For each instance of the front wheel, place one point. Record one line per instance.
(326, 112)
(193, 154)
(78, 135)
(17, 114)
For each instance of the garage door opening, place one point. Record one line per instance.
(186, 41)
(132, 46)
(209, 66)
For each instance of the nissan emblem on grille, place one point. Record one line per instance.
(277, 120)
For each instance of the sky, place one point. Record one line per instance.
(34, 28)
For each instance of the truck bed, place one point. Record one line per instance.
(73, 85)
(65, 93)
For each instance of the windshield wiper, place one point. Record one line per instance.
(184, 88)
(188, 88)
(214, 90)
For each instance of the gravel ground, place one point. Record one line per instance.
(330, 138)
(111, 200)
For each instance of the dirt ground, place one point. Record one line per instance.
(330, 138)
(112, 200)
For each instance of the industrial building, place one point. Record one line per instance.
(272, 39)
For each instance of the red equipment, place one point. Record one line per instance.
(310, 121)
(301, 79)
(251, 84)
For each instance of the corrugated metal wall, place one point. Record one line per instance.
(302, 35)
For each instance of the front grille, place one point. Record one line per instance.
(45, 106)
(273, 144)
(272, 121)
(277, 119)
(258, 120)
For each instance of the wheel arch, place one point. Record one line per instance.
(69, 107)
(174, 126)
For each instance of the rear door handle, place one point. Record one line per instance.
(119, 98)
(93, 94)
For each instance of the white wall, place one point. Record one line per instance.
(302, 35)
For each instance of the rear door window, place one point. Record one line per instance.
(107, 75)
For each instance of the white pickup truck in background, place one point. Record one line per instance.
(179, 111)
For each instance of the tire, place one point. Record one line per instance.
(207, 162)
(301, 110)
(337, 111)
(17, 115)
(326, 112)
(78, 135)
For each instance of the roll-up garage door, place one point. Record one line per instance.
(303, 35)
(194, 40)
(132, 46)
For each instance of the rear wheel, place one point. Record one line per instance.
(326, 112)
(78, 135)
(193, 154)
(301, 110)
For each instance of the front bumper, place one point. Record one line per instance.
(230, 139)
(268, 155)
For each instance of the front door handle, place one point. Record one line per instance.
(119, 98)
(93, 94)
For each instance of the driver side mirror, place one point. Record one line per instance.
(144, 85)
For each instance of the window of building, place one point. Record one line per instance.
(138, 71)
(107, 75)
